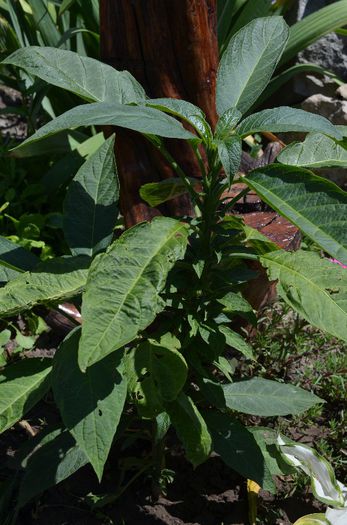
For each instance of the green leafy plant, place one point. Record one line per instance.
(71, 25)
(235, 14)
(161, 303)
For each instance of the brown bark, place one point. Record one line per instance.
(170, 46)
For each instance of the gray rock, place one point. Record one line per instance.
(342, 91)
(329, 52)
(307, 85)
(332, 108)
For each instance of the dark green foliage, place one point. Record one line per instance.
(161, 303)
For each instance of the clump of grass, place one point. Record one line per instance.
(290, 349)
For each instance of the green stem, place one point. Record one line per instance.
(200, 160)
(158, 457)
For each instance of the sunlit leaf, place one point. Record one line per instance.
(122, 295)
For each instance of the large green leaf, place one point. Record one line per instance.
(314, 287)
(53, 457)
(86, 77)
(22, 385)
(122, 295)
(317, 151)
(155, 193)
(90, 207)
(90, 404)
(238, 448)
(53, 280)
(262, 397)
(248, 63)
(285, 118)
(65, 142)
(191, 428)
(138, 118)
(315, 205)
(313, 26)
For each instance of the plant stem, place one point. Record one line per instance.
(158, 457)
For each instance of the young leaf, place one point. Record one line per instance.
(56, 279)
(22, 385)
(263, 397)
(249, 62)
(238, 448)
(236, 341)
(227, 123)
(55, 458)
(122, 295)
(88, 78)
(156, 375)
(317, 151)
(138, 118)
(191, 428)
(315, 287)
(229, 152)
(90, 404)
(184, 110)
(90, 206)
(155, 193)
(285, 118)
(315, 205)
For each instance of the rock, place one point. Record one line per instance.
(308, 85)
(329, 52)
(332, 108)
(342, 91)
(12, 126)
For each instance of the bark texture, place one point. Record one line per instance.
(170, 47)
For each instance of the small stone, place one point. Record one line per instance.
(342, 91)
(332, 108)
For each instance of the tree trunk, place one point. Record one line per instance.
(170, 47)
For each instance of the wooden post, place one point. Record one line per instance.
(170, 46)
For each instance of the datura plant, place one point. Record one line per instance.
(325, 487)
(160, 303)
